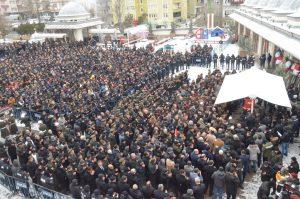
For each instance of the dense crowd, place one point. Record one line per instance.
(117, 124)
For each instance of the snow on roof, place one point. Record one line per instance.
(288, 7)
(287, 43)
(273, 5)
(47, 35)
(295, 14)
(137, 29)
(104, 31)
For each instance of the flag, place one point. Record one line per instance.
(205, 34)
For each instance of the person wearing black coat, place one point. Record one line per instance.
(244, 61)
(262, 60)
(232, 184)
(123, 185)
(160, 193)
(269, 59)
(227, 60)
(75, 189)
(294, 166)
(148, 190)
(199, 189)
(208, 170)
(182, 182)
(61, 178)
(135, 192)
(238, 62)
(222, 60)
(101, 185)
(189, 194)
(264, 190)
(232, 61)
(215, 60)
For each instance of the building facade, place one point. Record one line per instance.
(270, 26)
(159, 13)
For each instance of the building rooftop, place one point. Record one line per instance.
(279, 34)
(72, 11)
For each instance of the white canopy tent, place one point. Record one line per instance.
(254, 83)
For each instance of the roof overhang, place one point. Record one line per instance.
(72, 25)
(280, 39)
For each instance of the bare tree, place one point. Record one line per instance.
(103, 11)
(118, 11)
(4, 26)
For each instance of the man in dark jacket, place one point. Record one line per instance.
(222, 60)
(238, 62)
(198, 189)
(219, 183)
(135, 192)
(294, 166)
(232, 183)
(262, 60)
(123, 185)
(159, 193)
(75, 189)
(269, 59)
(208, 170)
(148, 190)
(189, 194)
(227, 60)
(232, 61)
(182, 182)
(244, 61)
(264, 190)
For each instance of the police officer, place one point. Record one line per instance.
(227, 60)
(215, 59)
(203, 60)
(208, 60)
(250, 61)
(222, 60)
(232, 60)
(238, 62)
(262, 60)
(244, 61)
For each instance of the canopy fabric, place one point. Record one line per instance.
(254, 83)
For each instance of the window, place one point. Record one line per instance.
(177, 14)
(141, 1)
(165, 6)
(165, 15)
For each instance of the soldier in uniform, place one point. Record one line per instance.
(203, 60)
(227, 59)
(208, 61)
(238, 62)
(222, 60)
(232, 60)
(244, 61)
(215, 59)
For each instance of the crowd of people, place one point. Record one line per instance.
(117, 124)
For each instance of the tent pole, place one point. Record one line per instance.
(252, 106)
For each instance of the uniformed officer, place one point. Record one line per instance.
(222, 60)
(215, 59)
(227, 60)
(232, 61)
(244, 61)
(238, 62)
(208, 61)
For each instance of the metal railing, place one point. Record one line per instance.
(27, 189)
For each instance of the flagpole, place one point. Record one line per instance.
(252, 106)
